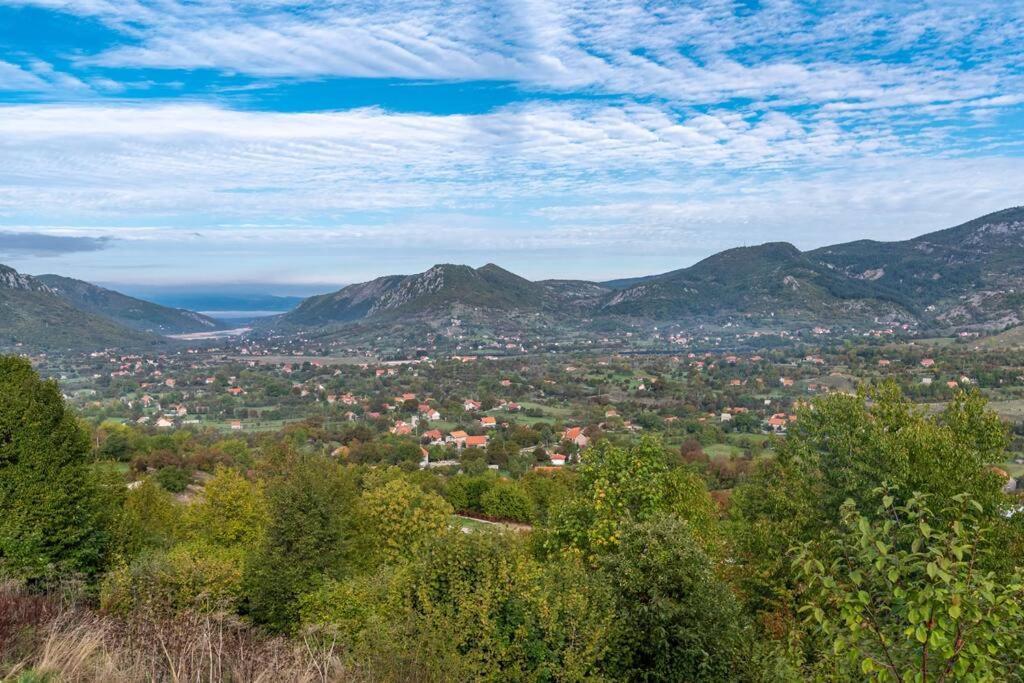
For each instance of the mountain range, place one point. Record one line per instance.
(54, 312)
(967, 277)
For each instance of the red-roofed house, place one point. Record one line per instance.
(576, 435)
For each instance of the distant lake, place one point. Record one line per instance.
(240, 314)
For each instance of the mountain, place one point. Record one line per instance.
(35, 315)
(128, 311)
(443, 289)
(968, 275)
(773, 280)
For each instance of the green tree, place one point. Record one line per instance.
(676, 620)
(56, 511)
(901, 595)
(617, 486)
(311, 505)
(508, 500)
(150, 519)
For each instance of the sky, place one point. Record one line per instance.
(299, 144)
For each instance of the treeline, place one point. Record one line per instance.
(877, 545)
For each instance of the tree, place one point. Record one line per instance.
(840, 448)
(618, 485)
(399, 518)
(901, 595)
(232, 512)
(150, 519)
(676, 620)
(311, 505)
(508, 500)
(56, 511)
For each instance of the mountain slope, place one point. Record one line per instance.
(773, 280)
(970, 274)
(439, 290)
(128, 311)
(34, 315)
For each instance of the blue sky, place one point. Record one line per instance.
(304, 144)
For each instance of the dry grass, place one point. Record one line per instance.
(43, 639)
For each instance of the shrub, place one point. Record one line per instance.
(508, 500)
(174, 479)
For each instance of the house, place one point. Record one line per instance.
(488, 422)
(927, 362)
(786, 381)
(779, 421)
(236, 391)
(952, 384)
(428, 412)
(506, 382)
(557, 459)
(401, 429)
(164, 423)
(434, 436)
(884, 362)
(476, 441)
(236, 425)
(611, 412)
(725, 417)
(576, 436)
(512, 407)
(469, 405)
(458, 438)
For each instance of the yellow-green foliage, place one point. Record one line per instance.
(189, 576)
(474, 607)
(399, 518)
(204, 570)
(151, 518)
(232, 512)
(617, 486)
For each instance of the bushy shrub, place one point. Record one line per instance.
(174, 479)
(508, 500)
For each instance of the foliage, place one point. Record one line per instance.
(508, 500)
(311, 504)
(482, 609)
(174, 479)
(676, 620)
(56, 511)
(465, 492)
(617, 486)
(150, 519)
(190, 576)
(399, 518)
(840, 448)
(232, 512)
(904, 596)
(853, 442)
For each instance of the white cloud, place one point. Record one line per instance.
(883, 54)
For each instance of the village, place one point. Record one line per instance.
(521, 411)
